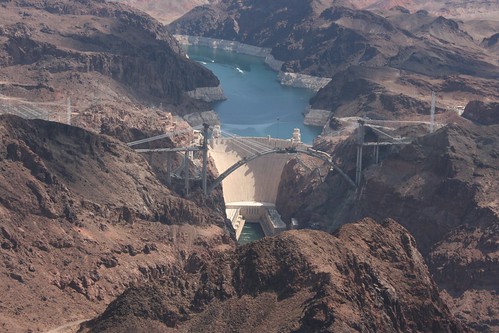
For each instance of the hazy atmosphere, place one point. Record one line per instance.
(249, 166)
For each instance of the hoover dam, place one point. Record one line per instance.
(250, 191)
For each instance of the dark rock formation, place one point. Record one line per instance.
(482, 113)
(491, 42)
(465, 266)
(366, 277)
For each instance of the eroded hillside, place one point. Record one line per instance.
(109, 59)
(83, 218)
(442, 188)
(365, 277)
(166, 11)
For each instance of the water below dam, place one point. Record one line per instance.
(257, 104)
(251, 231)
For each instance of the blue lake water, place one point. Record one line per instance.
(257, 104)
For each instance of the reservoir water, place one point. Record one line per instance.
(257, 104)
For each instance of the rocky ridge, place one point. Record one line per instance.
(457, 9)
(482, 113)
(84, 217)
(365, 277)
(167, 10)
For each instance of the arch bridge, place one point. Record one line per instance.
(310, 152)
(257, 150)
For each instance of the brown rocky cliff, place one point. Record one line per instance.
(482, 113)
(365, 277)
(83, 217)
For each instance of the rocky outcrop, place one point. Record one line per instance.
(207, 94)
(365, 277)
(459, 8)
(465, 265)
(491, 42)
(82, 218)
(361, 91)
(316, 117)
(302, 80)
(482, 113)
(206, 117)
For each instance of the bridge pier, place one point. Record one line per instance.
(186, 172)
(169, 166)
(360, 145)
(205, 159)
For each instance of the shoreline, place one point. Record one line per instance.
(312, 117)
(296, 80)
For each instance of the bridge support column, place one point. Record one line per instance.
(205, 158)
(186, 172)
(360, 145)
(432, 112)
(168, 168)
(68, 111)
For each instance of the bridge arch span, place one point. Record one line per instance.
(245, 160)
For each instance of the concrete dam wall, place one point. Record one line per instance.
(256, 181)
(250, 191)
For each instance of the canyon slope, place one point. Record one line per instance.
(382, 63)
(365, 277)
(83, 218)
(442, 187)
(116, 64)
(166, 11)
(459, 9)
